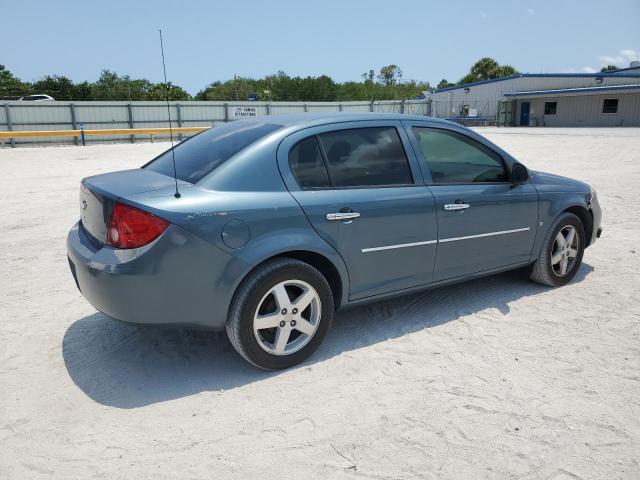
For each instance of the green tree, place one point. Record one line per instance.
(487, 69)
(506, 71)
(444, 83)
(111, 86)
(10, 85)
(158, 91)
(59, 87)
(390, 75)
(468, 78)
(609, 68)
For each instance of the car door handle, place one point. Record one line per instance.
(342, 216)
(456, 206)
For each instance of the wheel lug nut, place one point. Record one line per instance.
(283, 323)
(294, 311)
(284, 311)
(293, 323)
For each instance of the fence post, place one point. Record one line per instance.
(82, 134)
(340, 107)
(226, 112)
(7, 112)
(131, 121)
(268, 108)
(371, 107)
(306, 107)
(179, 115)
(402, 106)
(72, 111)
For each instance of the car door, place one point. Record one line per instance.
(361, 188)
(484, 221)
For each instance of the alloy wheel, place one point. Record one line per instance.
(565, 250)
(287, 317)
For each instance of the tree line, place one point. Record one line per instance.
(385, 84)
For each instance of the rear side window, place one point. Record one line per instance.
(307, 165)
(456, 158)
(363, 157)
(203, 153)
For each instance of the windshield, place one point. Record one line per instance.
(203, 153)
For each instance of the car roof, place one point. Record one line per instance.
(310, 119)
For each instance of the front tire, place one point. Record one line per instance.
(280, 314)
(561, 253)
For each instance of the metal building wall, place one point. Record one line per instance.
(586, 111)
(485, 97)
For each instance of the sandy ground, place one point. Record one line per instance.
(498, 378)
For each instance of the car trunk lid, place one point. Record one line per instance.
(99, 193)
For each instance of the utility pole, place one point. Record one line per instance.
(235, 85)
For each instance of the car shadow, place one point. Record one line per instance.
(125, 366)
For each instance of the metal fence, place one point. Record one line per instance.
(465, 112)
(19, 116)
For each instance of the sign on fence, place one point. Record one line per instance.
(240, 112)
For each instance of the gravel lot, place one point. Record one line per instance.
(498, 378)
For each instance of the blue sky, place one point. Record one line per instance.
(212, 40)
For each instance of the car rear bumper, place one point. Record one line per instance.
(178, 279)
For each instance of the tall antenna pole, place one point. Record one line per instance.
(166, 90)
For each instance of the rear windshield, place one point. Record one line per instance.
(203, 153)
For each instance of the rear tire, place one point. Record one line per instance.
(280, 314)
(561, 253)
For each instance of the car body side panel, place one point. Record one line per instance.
(274, 224)
(557, 194)
(501, 223)
(196, 279)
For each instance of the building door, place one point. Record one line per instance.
(524, 114)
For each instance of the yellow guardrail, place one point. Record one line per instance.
(109, 131)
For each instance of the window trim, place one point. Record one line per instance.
(422, 158)
(332, 185)
(617, 106)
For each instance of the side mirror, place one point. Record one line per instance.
(519, 174)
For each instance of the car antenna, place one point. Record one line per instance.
(166, 91)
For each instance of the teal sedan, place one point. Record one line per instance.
(265, 227)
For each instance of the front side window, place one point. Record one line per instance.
(363, 157)
(610, 105)
(550, 108)
(203, 153)
(307, 165)
(456, 158)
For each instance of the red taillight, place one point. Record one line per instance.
(130, 227)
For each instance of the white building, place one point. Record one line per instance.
(609, 99)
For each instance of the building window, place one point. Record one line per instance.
(610, 105)
(550, 108)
